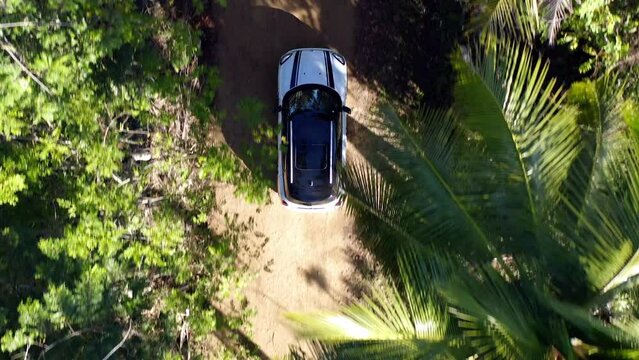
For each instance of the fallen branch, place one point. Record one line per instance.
(119, 180)
(151, 201)
(119, 345)
(48, 348)
(629, 61)
(136, 132)
(7, 47)
(27, 23)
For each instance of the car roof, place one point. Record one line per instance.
(311, 168)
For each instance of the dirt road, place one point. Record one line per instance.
(310, 260)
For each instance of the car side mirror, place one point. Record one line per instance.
(346, 109)
(277, 109)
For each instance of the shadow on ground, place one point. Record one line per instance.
(248, 57)
(404, 47)
(251, 36)
(400, 47)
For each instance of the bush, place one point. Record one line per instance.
(607, 31)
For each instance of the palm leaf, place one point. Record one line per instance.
(503, 95)
(498, 18)
(497, 318)
(415, 202)
(423, 158)
(593, 330)
(608, 242)
(599, 122)
(600, 119)
(602, 193)
(410, 323)
(619, 354)
(554, 12)
(373, 201)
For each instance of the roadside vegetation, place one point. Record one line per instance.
(505, 221)
(501, 203)
(106, 183)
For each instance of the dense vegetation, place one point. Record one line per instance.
(505, 216)
(106, 183)
(506, 223)
(516, 230)
(582, 39)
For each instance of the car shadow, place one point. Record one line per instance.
(249, 72)
(402, 47)
(248, 54)
(370, 145)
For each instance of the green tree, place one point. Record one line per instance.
(607, 32)
(104, 195)
(514, 214)
(526, 19)
(604, 30)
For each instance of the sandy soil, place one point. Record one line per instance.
(309, 261)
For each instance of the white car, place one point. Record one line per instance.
(311, 113)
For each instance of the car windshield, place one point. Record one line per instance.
(317, 99)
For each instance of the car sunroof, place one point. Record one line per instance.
(311, 156)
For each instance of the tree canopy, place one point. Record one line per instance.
(105, 183)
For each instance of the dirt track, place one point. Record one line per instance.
(310, 260)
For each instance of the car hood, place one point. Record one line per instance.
(312, 66)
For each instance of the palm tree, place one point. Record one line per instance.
(514, 215)
(524, 18)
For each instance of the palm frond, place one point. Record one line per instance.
(499, 18)
(554, 12)
(414, 202)
(504, 97)
(496, 318)
(423, 159)
(593, 330)
(410, 323)
(600, 119)
(619, 354)
(608, 242)
(378, 211)
(601, 196)
(384, 316)
(628, 326)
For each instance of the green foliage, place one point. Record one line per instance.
(182, 44)
(104, 193)
(260, 155)
(220, 164)
(10, 185)
(513, 216)
(603, 29)
(630, 113)
(498, 18)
